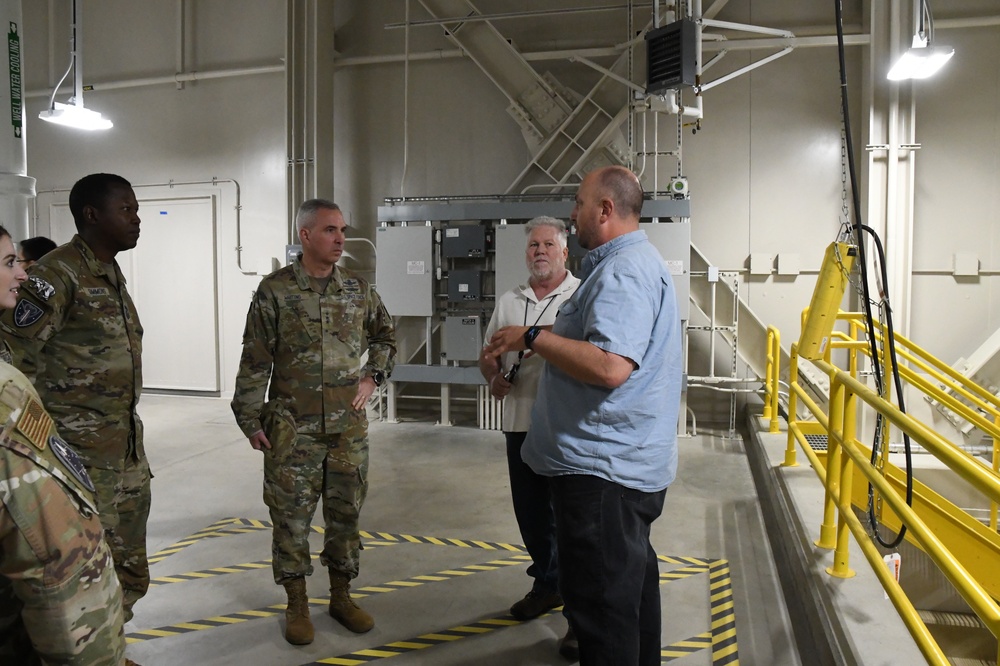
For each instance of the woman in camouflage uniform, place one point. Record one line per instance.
(60, 601)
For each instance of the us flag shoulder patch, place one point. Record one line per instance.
(34, 423)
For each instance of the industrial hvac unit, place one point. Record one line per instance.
(671, 57)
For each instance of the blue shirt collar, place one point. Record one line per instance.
(599, 254)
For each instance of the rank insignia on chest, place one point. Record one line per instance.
(34, 423)
(71, 461)
(26, 313)
(41, 287)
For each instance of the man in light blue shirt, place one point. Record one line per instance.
(604, 425)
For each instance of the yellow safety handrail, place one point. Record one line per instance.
(773, 373)
(846, 455)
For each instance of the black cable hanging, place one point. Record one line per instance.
(857, 228)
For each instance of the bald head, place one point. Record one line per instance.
(608, 204)
(622, 187)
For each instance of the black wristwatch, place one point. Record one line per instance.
(378, 377)
(530, 335)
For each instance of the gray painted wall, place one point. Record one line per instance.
(764, 169)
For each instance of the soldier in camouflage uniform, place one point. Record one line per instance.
(60, 602)
(308, 326)
(75, 333)
(59, 598)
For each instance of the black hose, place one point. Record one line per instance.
(869, 319)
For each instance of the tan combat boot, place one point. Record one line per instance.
(342, 607)
(298, 626)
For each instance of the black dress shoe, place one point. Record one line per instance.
(534, 604)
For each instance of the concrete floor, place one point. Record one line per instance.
(441, 565)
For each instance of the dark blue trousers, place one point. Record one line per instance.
(535, 519)
(608, 570)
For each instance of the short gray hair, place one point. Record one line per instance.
(546, 221)
(309, 208)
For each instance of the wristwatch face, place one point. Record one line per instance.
(378, 376)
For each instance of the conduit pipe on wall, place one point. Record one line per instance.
(179, 63)
(215, 182)
(17, 189)
(237, 208)
(174, 79)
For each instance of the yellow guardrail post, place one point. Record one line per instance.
(996, 468)
(845, 438)
(852, 353)
(768, 375)
(828, 529)
(773, 373)
(793, 381)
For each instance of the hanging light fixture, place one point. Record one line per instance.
(74, 114)
(923, 58)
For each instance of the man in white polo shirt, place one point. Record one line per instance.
(514, 379)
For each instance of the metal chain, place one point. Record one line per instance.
(680, 140)
(845, 209)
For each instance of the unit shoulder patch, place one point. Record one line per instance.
(44, 290)
(26, 313)
(71, 461)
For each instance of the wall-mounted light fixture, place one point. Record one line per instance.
(74, 114)
(923, 58)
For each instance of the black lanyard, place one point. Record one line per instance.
(552, 298)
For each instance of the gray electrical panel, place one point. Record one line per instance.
(291, 252)
(465, 286)
(463, 241)
(463, 338)
(673, 240)
(404, 272)
(509, 243)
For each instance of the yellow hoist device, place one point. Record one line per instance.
(831, 284)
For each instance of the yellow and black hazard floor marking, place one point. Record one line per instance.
(721, 637)
(724, 652)
(239, 568)
(230, 526)
(420, 642)
(208, 532)
(436, 541)
(683, 648)
(358, 593)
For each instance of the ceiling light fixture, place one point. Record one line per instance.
(923, 58)
(74, 114)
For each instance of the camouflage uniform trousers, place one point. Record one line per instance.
(73, 621)
(123, 500)
(298, 470)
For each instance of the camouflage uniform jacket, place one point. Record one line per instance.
(53, 558)
(75, 333)
(309, 345)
